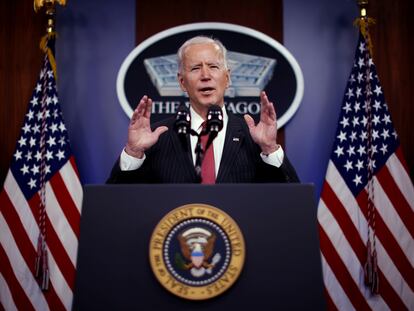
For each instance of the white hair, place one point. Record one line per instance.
(201, 40)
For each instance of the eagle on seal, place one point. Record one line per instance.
(197, 246)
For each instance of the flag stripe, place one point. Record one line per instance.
(19, 297)
(28, 252)
(62, 259)
(6, 296)
(42, 157)
(329, 302)
(399, 154)
(341, 273)
(65, 203)
(346, 224)
(346, 201)
(334, 290)
(394, 194)
(18, 231)
(76, 171)
(61, 224)
(22, 207)
(28, 221)
(393, 287)
(390, 244)
(64, 293)
(347, 251)
(386, 208)
(367, 158)
(402, 179)
(17, 273)
(56, 248)
(25, 246)
(70, 179)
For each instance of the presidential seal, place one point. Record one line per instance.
(197, 251)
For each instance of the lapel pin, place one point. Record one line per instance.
(236, 139)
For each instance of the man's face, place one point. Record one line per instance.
(203, 76)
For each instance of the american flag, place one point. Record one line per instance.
(42, 173)
(356, 211)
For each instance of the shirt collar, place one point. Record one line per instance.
(197, 120)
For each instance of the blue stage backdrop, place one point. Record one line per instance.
(96, 36)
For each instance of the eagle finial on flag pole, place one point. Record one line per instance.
(363, 4)
(363, 22)
(50, 11)
(49, 4)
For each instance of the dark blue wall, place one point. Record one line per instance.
(321, 37)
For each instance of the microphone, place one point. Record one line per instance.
(214, 123)
(182, 123)
(214, 120)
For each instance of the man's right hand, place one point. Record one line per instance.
(140, 135)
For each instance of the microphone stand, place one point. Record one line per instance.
(214, 124)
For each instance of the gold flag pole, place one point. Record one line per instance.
(50, 11)
(363, 4)
(42, 271)
(363, 22)
(371, 273)
(50, 8)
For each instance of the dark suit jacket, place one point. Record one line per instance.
(170, 160)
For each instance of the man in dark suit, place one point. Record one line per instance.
(242, 152)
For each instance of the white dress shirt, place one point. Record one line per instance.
(218, 142)
(129, 163)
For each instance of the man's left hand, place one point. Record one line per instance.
(265, 132)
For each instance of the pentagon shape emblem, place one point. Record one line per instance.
(197, 251)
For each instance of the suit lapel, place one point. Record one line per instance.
(182, 149)
(232, 143)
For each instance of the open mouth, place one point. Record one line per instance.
(207, 90)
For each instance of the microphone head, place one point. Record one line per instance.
(182, 123)
(214, 119)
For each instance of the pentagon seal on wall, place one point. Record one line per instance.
(257, 62)
(197, 251)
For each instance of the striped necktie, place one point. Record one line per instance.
(208, 174)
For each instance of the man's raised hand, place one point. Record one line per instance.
(140, 135)
(265, 132)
